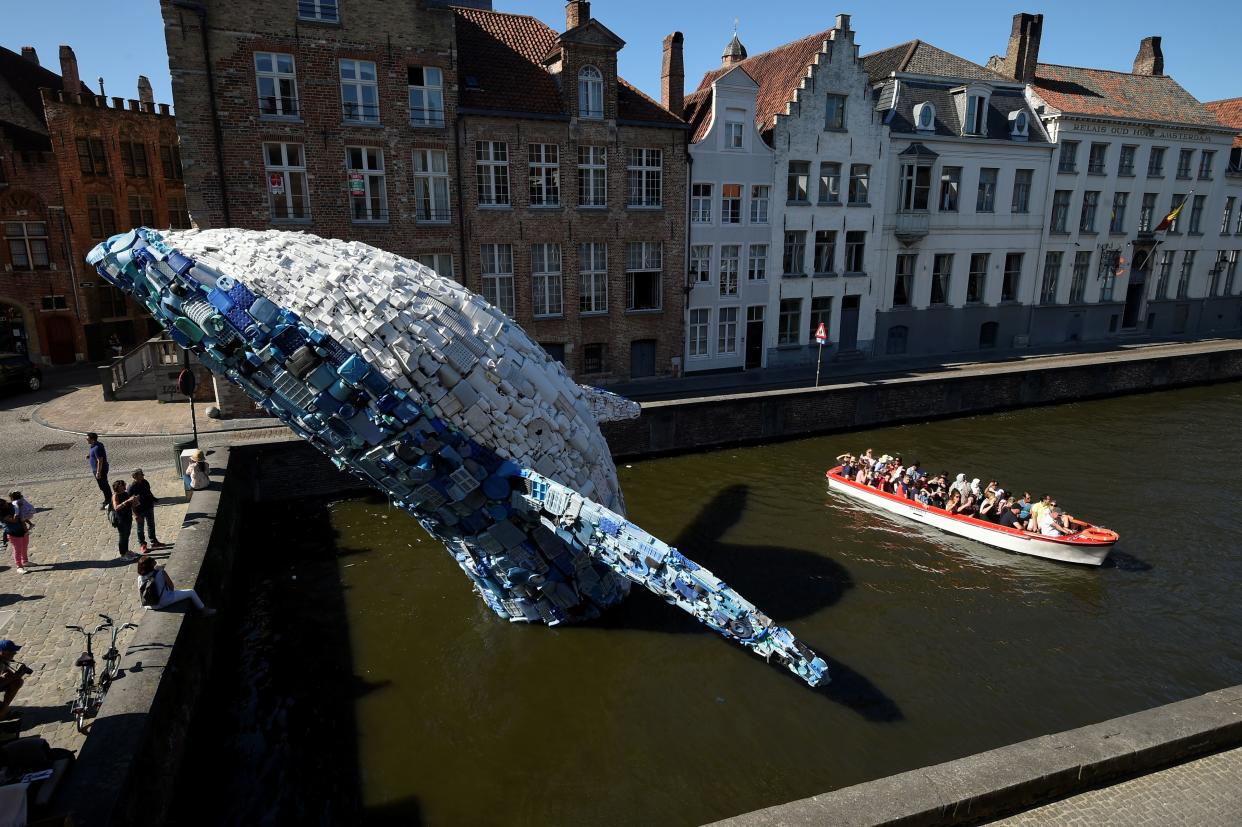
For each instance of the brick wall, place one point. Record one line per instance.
(30, 194)
(160, 192)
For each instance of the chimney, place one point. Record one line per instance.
(1023, 53)
(69, 70)
(30, 54)
(1150, 60)
(145, 95)
(673, 75)
(577, 12)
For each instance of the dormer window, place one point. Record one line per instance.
(925, 117)
(590, 93)
(975, 122)
(1019, 125)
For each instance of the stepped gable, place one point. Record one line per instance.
(1229, 113)
(501, 68)
(1105, 93)
(920, 58)
(778, 73)
(20, 82)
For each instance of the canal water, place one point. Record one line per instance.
(423, 706)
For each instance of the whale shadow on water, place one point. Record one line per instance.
(787, 583)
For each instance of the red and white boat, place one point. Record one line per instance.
(1089, 545)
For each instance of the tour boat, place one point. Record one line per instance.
(1089, 545)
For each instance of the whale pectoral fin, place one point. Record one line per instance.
(626, 549)
(608, 406)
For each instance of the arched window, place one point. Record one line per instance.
(987, 335)
(590, 93)
(897, 336)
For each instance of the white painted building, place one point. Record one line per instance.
(963, 210)
(730, 257)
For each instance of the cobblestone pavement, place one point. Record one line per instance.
(85, 409)
(1202, 793)
(76, 575)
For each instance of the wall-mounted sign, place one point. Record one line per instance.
(277, 182)
(357, 187)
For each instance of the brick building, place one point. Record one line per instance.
(74, 168)
(349, 121)
(588, 257)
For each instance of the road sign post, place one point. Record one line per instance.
(821, 336)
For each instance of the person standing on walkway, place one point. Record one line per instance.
(98, 458)
(144, 510)
(18, 536)
(123, 510)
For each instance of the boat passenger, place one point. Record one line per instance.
(955, 500)
(1025, 502)
(1037, 511)
(915, 472)
(975, 490)
(960, 485)
(907, 487)
(1012, 516)
(990, 507)
(1048, 525)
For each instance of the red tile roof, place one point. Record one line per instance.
(501, 69)
(1111, 94)
(1228, 112)
(778, 73)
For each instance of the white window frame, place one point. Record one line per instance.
(726, 331)
(590, 93)
(545, 174)
(837, 122)
(942, 278)
(491, 172)
(26, 237)
(432, 194)
(700, 267)
(427, 99)
(644, 257)
(730, 213)
(701, 195)
(697, 332)
(730, 267)
(789, 322)
(496, 267)
(760, 203)
(860, 183)
(436, 262)
(734, 135)
(645, 176)
(283, 85)
(353, 76)
(290, 173)
(369, 162)
(593, 278)
(548, 294)
(976, 122)
(757, 262)
(592, 176)
(321, 11)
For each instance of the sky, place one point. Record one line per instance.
(121, 39)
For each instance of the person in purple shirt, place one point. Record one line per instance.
(98, 458)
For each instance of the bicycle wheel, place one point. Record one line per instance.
(111, 666)
(80, 706)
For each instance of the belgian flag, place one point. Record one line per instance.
(1168, 220)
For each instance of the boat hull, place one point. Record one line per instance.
(1068, 550)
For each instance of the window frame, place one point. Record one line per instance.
(1090, 207)
(789, 322)
(794, 247)
(1097, 165)
(1078, 276)
(730, 204)
(96, 212)
(26, 238)
(797, 182)
(544, 175)
(141, 207)
(547, 281)
(496, 277)
(977, 278)
(592, 278)
(289, 173)
(1067, 159)
(370, 165)
(941, 280)
(760, 203)
(644, 169)
(698, 332)
(92, 156)
(903, 279)
(699, 264)
(1052, 273)
(1117, 219)
(729, 269)
(950, 199)
(1011, 283)
(134, 161)
(427, 181)
(359, 112)
(279, 79)
(702, 199)
(726, 330)
(319, 11)
(644, 265)
(1020, 201)
(1155, 161)
(825, 248)
(860, 184)
(592, 176)
(985, 198)
(752, 260)
(834, 112)
(430, 96)
(590, 92)
(491, 175)
(855, 253)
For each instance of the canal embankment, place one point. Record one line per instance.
(1010, 779)
(680, 425)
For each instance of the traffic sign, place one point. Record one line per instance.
(821, 334)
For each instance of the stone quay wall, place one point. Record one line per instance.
(683, 425)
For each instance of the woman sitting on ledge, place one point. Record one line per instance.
(156, 590)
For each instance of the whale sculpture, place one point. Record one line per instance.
(433, 396)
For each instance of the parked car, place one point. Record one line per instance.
(16, 370)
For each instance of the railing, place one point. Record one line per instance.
(135, 363)
(157, 352)
(910, 224)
